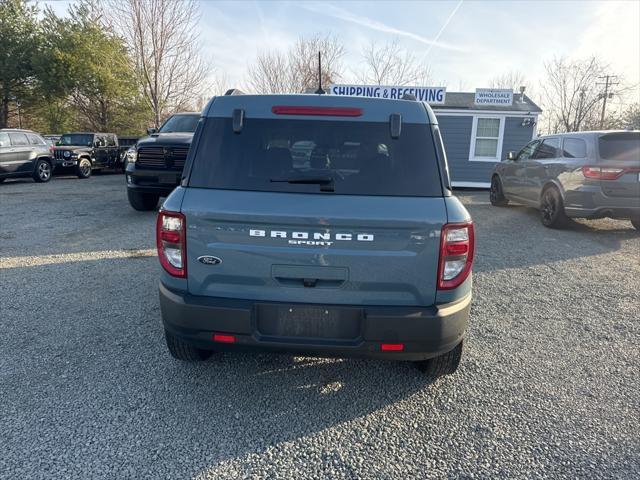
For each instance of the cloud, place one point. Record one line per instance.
(344, 15)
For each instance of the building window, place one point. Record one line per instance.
(486, 139)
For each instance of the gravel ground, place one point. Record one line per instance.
(548, 386)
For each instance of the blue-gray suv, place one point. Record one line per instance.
(318, 225)
(574, 175)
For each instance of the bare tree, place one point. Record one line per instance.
(164, 39)
(570, 93)
(390, 64)
(296, 70)
(512, 79)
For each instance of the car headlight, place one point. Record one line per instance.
(132, 155)
(66, 154)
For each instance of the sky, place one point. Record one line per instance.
(465, 43)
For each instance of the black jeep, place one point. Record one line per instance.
(154, 165)
(84, 152)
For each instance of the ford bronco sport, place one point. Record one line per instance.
(318, 225)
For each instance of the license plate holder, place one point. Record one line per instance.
(310, 322)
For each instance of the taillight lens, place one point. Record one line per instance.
(457, 246)
(602, 173)
(171, 240)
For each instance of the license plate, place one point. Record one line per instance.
(309, 321)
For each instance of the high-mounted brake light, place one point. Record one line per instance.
(321, 111)
(171, 240)
(603, 173)
(457, 247)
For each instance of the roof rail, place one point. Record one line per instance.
(233, 91)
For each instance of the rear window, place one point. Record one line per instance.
(342, 157)
(623, 146)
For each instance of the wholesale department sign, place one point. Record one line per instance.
(492, 96)
(431, 95)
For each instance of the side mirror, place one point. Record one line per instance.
(151, 131)
(511, 155)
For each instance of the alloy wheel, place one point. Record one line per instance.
(44, 171)
(494, 193)
(85, 168)
(549, 207)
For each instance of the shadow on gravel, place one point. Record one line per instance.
(513, 237)
(262, 400)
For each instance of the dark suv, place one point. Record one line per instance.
(24, 153)
(154, 165)
(574, 175)
(317, 224)
(84, 152)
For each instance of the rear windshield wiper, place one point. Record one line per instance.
(325, 181)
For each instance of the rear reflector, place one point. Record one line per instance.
(392, 347)
(321, 111)
(222, 338)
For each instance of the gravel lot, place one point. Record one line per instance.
(548, 387)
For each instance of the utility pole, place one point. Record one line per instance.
(608, 83)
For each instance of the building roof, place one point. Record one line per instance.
(466, 101)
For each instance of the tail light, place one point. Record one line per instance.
(171, 240)
(457, 246)
(602, 173)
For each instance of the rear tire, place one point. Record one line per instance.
(552, 209)
(445, 364)
(181, 350)
(636, 223)
(83, 170)
(42, 172)
(496, 194)
(142, 202)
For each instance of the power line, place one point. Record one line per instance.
(608, 82)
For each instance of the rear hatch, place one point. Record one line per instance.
(314, 211)
(619, 154)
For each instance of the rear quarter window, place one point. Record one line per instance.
(361, 158)
(574, 148)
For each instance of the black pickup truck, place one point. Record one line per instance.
(84, 152)
(154, 166)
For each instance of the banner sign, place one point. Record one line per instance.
(492, 96)
(431, 95)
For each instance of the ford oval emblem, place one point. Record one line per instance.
(210, 260)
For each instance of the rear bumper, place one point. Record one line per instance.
(589, 201)
(425, 331)
(604, 212)
(161, 182)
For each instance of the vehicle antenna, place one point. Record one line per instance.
(320, 91)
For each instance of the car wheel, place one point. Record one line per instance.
(636, 223)
(496, 194)
(183, 351)
(552, 209)
(142, 201)
(42, 172)
(445, 364)
(84, 168)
